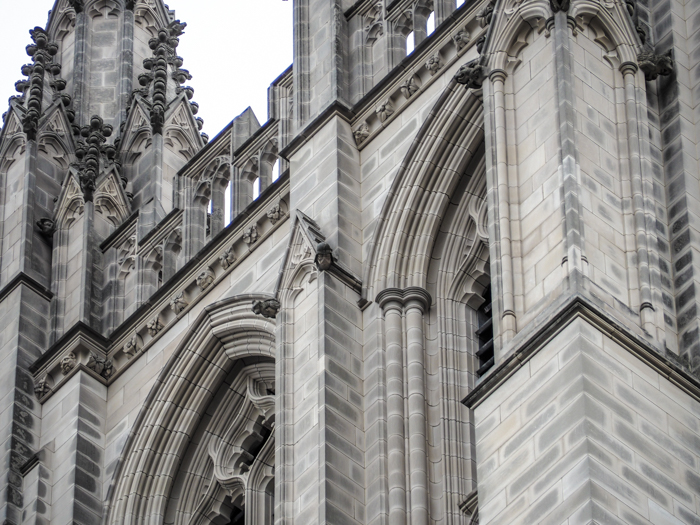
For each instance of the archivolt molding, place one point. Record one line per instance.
(222, 334)
(71, 203)
(410, 219)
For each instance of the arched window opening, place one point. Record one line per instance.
(256, 188)
(484, 334)
(431, 23)
(276, 170)
(227, 204)
(210, 210)
(410, 43)
(237, 516)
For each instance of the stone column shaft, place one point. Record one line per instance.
(395, 412)
(509, 321)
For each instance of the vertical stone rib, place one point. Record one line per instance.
(646, 308)
(573, 226)
(509, 320)
(417, 302)
(80, 69)
(390, 302)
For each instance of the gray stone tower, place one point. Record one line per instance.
(449, 280)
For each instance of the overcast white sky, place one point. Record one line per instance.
(234, 49)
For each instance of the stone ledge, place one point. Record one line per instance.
(577, 306)
(25, 280)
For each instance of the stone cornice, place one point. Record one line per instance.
(577, 306)
(22, 279)
(301, 138)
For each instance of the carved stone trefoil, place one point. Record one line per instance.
(100, 365)
(68, 363)
(409, 87)
(154, 327)
(654, 65)
(268, 308)
(250, 235)
(361, 133)
(42, 388)
(206, 278)
(178, 303)
(227, 258)
(434, 64)
(471, 75)
(385, 110)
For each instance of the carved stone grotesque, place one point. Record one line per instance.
(267, 308)
(250, 235)
(559, 5)
(132, 346)
(361, 133)
(100, 365)
(154, 327)
(41, 388)
(275, 214)
(461, 38)
(206, 278)
(178, 303)
(434, 64)
(385, 110)
(409, 88)
(486, 14)
(655, 65)
(228, 258)
(68, 363)
(471, 75)
(324, 256)
(46, 227)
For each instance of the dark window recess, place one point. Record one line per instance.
(485, 334)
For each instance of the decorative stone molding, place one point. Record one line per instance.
(154, 327)
(90, 152)
(471, 75)
(42, 388)
(434, 64)
(227, 258)
(42, 52)
(461, 38)
(68, 363)
(409, 87)
(100, 365)
(268, 308)
(206, 278)
(250, 235)
(361, 133)
(178, 303)
(385, 110)
(654, 65)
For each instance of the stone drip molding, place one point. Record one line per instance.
(106, 359)
(458, 36)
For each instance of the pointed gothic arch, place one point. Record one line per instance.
(408, 224)
(224, 333)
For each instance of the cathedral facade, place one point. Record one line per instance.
(449, 280)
